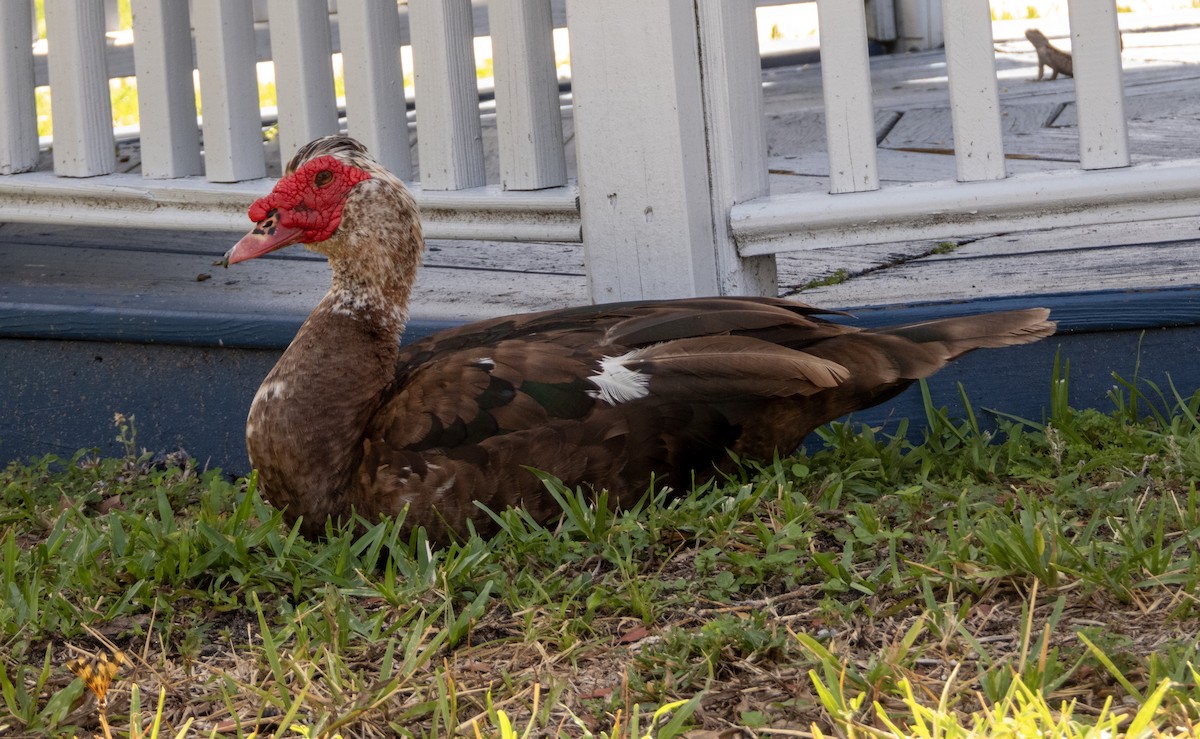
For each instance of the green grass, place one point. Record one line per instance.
(1038, 577)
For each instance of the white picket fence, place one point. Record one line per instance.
(671, 196)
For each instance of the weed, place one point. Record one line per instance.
(838, 277)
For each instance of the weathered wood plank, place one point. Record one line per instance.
(207, 246)
(969, 274)
(289, 284)
(81, 109)
(803, 132)
(797, 269)
(1023, 128)
(170, 135)
(1149, 101)
(1162, 119)
(1050, 242)
(907, 77)
(895, 167)
(18, 111)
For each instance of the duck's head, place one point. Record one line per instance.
(331, 192)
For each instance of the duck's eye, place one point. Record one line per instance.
(323, 178)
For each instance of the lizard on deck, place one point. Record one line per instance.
(1056, 59)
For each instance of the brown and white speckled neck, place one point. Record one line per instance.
(375, 255)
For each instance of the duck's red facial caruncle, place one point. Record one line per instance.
(304, 208)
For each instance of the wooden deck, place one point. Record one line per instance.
(140, 321)
(1162, 83)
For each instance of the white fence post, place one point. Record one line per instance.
(643, 167)
(170, 135)
(737, 136)
(225, 55)
(846, 87)
(974, 97)
(81, 107)
(18, 110)
(376, 113)
(1099, 89)
(528, 122)
(301, 48)
(449, 134)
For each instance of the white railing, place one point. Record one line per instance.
(984, 199)
(672, 196)
(531, 201)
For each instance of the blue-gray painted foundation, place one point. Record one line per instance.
(61, 390)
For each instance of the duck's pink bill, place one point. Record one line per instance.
(263, 240)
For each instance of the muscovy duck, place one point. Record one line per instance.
(604, 396)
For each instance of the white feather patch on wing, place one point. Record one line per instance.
(617, 383)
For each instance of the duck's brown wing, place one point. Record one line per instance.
(634, 324)
(610, 396)
(497, 377)
(606, 395)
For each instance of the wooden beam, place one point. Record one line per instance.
(191, 203)
(930, 211)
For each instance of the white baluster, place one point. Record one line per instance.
(449, 134)
(162, 42)
(233, 148)
(375, 108)
(81, 109)
(301, 49)
(846, 86)
(528, 122)
(18, 110)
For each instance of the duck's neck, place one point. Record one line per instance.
(306, 424)
(375, 255)
(305, 428)
(373, 291)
